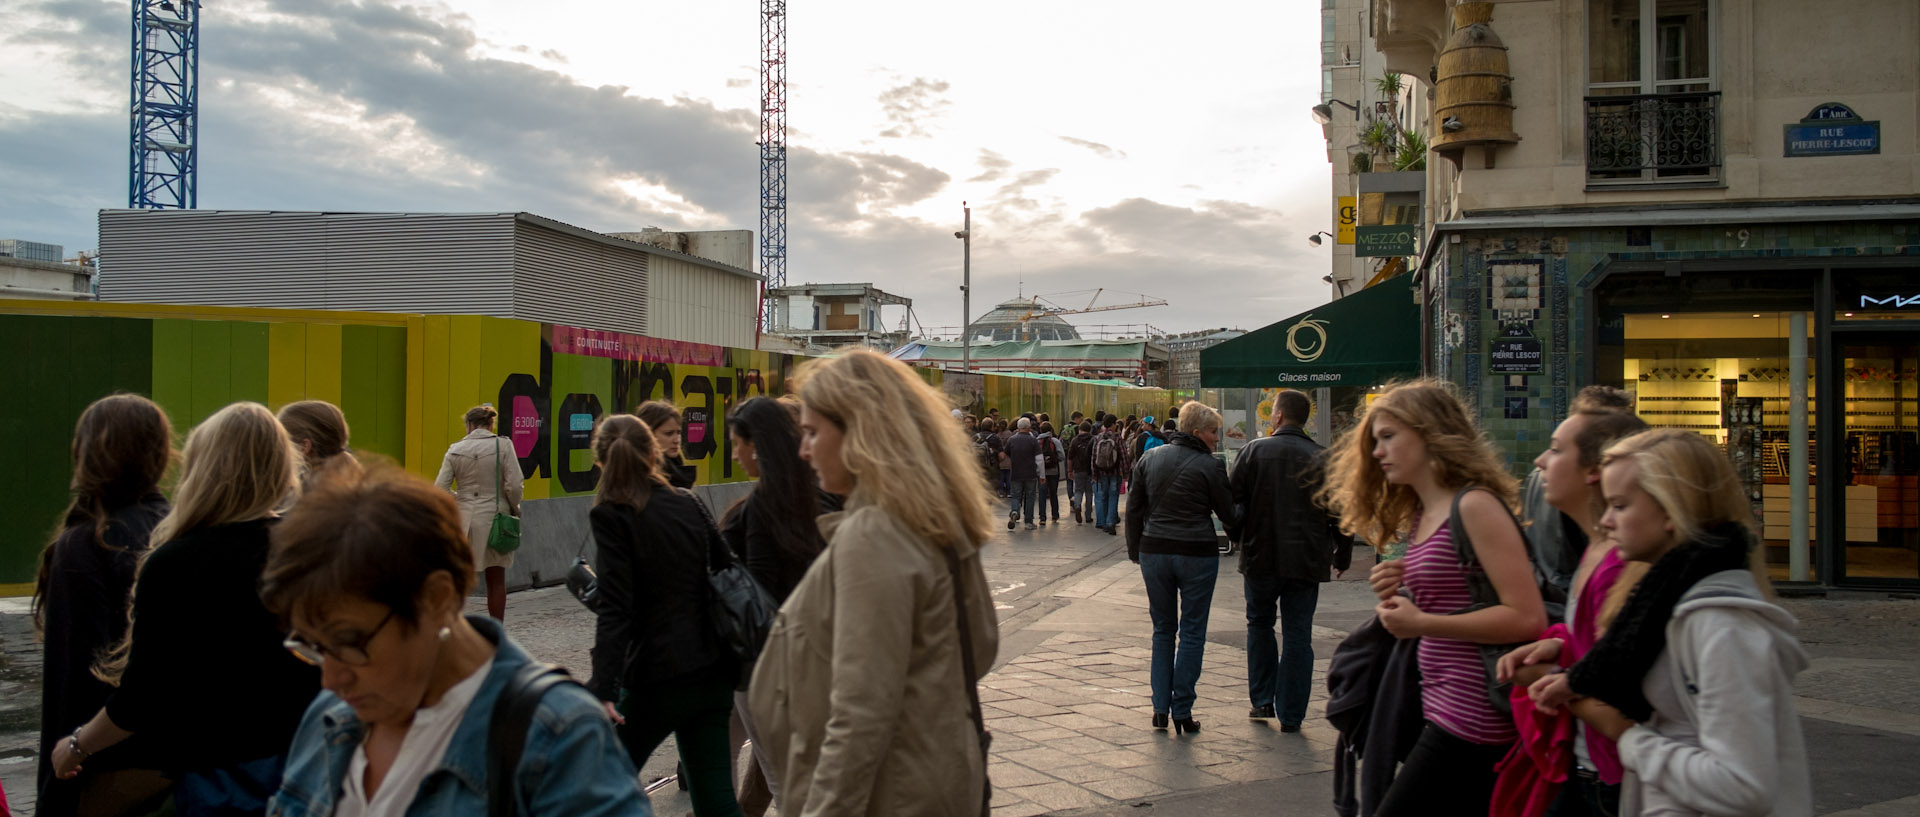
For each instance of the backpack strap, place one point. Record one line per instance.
(1478, 584)
(507, 732)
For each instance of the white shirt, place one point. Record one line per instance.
(420, 752)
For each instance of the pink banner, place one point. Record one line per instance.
(621, 346)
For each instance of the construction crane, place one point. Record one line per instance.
(164, 150)
(773, 151)
(1042, 306)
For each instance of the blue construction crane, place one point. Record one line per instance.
(164, 150)
(773, 148)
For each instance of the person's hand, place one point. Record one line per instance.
(1551, 693)
(66, 764)
(1544, 651)
(614, 714)
(1400, 616)
(1602, 718)
(1385, 578)
(1339, 573)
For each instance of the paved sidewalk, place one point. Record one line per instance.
(1071, 717)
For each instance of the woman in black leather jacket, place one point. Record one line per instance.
(1175, 492)
(657, 661)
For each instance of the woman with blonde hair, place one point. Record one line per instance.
(319, 430)
(483, 472)
(202, 668)
(1694, 679)
(865, 691)
(1415, 469)
(1175, 495)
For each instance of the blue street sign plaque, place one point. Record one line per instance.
(1832, 129)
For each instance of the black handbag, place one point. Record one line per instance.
(582, 582)
(742, 609)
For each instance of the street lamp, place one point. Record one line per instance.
(1323, 112)
(1315, 238)
(966, 287)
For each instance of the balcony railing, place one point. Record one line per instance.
(1653, 138)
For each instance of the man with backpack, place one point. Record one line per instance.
(1080, 473)
(986, 446)
(1023, 453)
(1107, 456)
(1052, 453)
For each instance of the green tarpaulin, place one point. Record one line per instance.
(1364, 339)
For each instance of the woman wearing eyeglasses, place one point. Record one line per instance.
(370, 573)
(201, 671)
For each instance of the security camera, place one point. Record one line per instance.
(1451, 124)
(962, 234)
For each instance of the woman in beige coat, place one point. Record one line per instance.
(862, 693)
(469, 471)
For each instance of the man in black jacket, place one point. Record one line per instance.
(1021, 448)
(1290, 545)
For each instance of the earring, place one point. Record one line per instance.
(445, 633)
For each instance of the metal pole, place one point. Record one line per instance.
(1797, 551)
(966, 289)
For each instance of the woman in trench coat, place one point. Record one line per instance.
(863, 693)
(484, 474)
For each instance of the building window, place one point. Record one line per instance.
(1653, 113)
(1329, 40)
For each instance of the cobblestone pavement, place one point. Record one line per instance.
(1068, 697)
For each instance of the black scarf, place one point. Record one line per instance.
(1615, 669)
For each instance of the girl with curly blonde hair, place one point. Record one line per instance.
(1414, 463)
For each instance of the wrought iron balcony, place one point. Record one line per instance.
(1653, 138)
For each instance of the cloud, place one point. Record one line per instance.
(338, 105)
(1103, 151)
(913, 106)
(993, 166)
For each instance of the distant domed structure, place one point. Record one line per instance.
(1004, 324)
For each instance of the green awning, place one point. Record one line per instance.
(1364, 339)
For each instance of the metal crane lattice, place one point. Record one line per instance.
(773, 148)
(164, 150)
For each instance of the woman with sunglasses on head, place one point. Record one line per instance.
(370, 572)
(863, 691)
(201, 669)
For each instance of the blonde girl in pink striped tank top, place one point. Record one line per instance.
(1393, 477)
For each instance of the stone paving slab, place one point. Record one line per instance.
(1070, 736)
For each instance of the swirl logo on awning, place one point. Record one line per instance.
(1315, 347)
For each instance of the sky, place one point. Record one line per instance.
(1150, 149)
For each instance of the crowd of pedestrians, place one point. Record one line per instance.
(287, 635)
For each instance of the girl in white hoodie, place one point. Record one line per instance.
(1695, 677)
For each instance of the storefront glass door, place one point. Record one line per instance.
(1881, 527)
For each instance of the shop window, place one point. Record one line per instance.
(1725, 375)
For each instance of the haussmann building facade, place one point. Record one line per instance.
(1714, 204)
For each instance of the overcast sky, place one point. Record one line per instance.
(1145, 147)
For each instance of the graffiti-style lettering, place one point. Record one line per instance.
(635, 381)
(697, 420)
(578, 437)
(519, 392)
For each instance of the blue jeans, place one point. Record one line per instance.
(1024, 495)
(1179, 595)
(1282, 677)
(1080, 496)
(1106, 500)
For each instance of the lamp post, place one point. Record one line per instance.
(966, 287)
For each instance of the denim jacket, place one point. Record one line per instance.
(573, 764)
